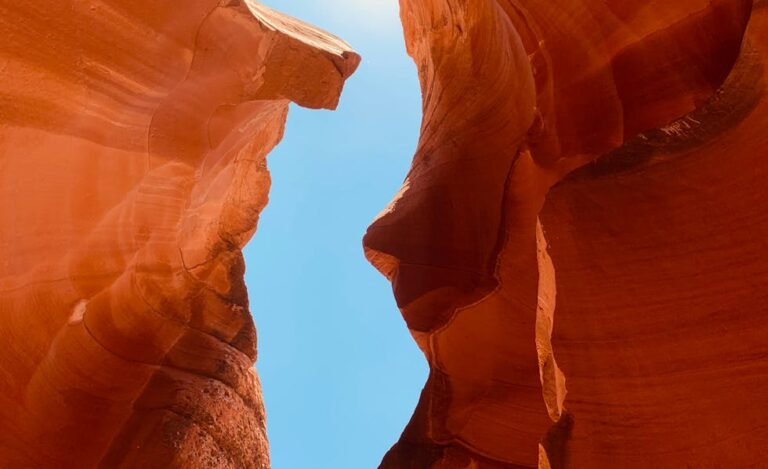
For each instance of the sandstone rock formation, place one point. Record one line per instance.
(579, 247)
(133, 137)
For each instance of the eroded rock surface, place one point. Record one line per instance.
(133, 138)
(578, 248)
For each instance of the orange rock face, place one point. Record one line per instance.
(578, 248)
(133, 137)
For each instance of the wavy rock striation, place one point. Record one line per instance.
(578, 246)
(133, 138)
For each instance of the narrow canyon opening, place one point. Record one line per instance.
(336, 361)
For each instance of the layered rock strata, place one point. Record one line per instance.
(578, 248)
(133, 138)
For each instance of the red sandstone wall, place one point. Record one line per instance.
(608, 316)
(133, 138)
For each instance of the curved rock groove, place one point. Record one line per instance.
(534, 287)
(133, 144)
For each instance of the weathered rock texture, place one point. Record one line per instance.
(579, 247)
(133, 137)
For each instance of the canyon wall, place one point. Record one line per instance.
(578, 249)
(133, 138)
(579, 246)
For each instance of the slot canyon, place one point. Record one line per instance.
(578, 249)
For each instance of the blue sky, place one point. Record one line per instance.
(341, 373)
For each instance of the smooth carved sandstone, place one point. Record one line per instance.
(579, 247)
(133, 138)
